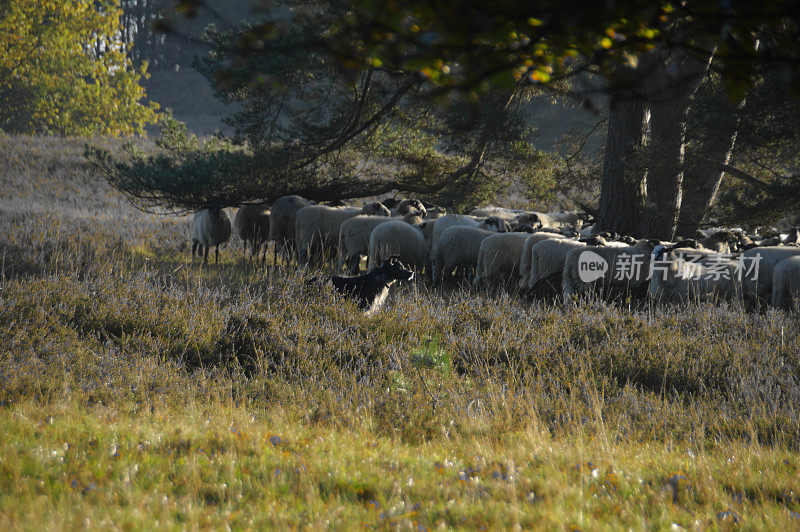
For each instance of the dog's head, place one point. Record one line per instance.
(393, 269)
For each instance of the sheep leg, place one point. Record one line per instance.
(216, 254)
(205, 254)
(194, 248)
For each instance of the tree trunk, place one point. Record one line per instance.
(620, 197)
(669, 87)
(711, 143)
(664, 170)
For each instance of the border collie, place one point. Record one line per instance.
(371, 288)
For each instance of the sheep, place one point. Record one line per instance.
(499, 257)
(251, 224)
(546, 260)
(786, 284)
(407, 206)
(450, 220)
(354, 237)
(525, 257)
(757, 265)
(556, 220)
(397, 237)
(282, 224)
(390, 203)
(210, 228)
(625, 267)
(354, 240)
(317, 228)
(435, 212)
(688, 275)
(496, 212)
(458, 246)
(717, 239)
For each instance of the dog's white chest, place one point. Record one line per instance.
(380, 299)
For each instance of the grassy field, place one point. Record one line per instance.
(139, 389)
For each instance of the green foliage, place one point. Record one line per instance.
(63, 70)
(310, 128)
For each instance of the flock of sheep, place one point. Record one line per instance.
(538, 253)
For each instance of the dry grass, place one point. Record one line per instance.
(136, 387)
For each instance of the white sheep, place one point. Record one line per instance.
(449, 220)
(497, 212)
(625, 268)
(554, 220)
(354, 240)
(499, 257)
(398, 237)
(758, 265)
(692, 275)
(458, 246)
(546, 260)
(282, 224)
(210, 228)
(525, 258)
(440, 225)
(251, 224)
(317, 229)
(786, 283)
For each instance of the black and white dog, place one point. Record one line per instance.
(371, 288)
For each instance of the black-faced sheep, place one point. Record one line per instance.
(251, 225)
(210, 228)
(409, 206)
(282, 224)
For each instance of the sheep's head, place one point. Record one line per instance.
(529, 218)
(522, 228)
(390, 203)
(497, 225)
(376, 209)
(435, 212)
(413, 218)
(411, 206)
(594, 240)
